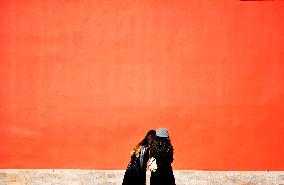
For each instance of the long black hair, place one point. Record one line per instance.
(162, 147)
(145, 140)
(158, 141)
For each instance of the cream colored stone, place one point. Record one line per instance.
(115, 177)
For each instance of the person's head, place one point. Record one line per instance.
(148, 138)
(161, 143)
(162, 136)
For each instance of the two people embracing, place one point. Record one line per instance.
(156, 148)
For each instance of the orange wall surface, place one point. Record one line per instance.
(82, 82)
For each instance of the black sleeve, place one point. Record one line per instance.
(144, 157)
(165, 158)
(169, 156)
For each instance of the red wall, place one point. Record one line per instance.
(82, 82)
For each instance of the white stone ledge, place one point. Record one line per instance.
(114, 177)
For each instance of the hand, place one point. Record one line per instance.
(153, 165)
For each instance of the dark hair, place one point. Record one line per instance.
(161, 147)
(145, 140)
(165, 140)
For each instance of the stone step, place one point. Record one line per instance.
(115, 177)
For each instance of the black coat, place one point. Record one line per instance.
(135, 173)
(162, 151)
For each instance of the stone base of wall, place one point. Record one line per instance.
(114, 177)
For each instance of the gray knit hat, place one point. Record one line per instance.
(162, 132)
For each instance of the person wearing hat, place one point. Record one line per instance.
(161, 154)
(135, 173)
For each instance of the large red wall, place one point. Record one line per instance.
(82, 82)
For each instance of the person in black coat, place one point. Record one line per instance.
(135, 173)
(161, 153)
